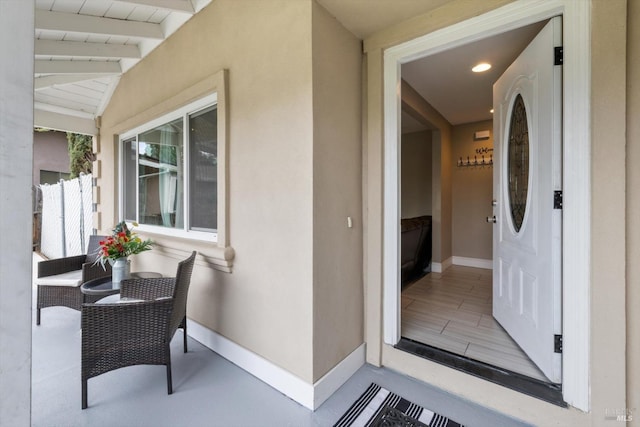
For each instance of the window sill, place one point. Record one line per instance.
(201, 236)
(220, 258)
(211, 253)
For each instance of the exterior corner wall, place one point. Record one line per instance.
(373, 204)
(338, 308)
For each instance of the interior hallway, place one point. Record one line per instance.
(452, 311)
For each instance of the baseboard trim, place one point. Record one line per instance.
(439, 267)
(309, 395)
(338, 375)
(487, 264)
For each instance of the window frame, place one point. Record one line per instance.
(183, 113)
(219, 253)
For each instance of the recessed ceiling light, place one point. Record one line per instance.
(483, 66)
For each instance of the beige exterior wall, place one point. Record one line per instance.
(294, 296)
(608, 329)
(472, 193)
(337, 193)
(416, 171)
(608, 140)
(266, 304)
(633, 208)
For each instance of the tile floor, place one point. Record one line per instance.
(452, 311)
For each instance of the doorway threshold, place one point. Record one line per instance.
(548, 392)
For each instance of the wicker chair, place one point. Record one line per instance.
(59, 280)
(137, 330)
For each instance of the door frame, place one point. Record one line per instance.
(576, 94)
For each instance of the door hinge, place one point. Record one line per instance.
(557, 199)
(557, 343)
(558, 55)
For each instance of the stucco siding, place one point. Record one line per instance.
(265, 304)
(337, 192)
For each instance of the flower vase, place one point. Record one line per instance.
(120, 270)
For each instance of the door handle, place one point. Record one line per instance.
(491, 219)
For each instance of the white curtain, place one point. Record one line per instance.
(171, 176)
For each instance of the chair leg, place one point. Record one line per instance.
(184, 333)
(84, 394)
(169, 384)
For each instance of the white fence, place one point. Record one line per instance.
(67, 217)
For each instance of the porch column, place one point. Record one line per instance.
(16, 152)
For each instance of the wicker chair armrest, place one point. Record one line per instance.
(52, 267)
(91, 270)
(125, 318)
(148, 289)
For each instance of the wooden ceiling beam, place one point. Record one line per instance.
(45, 82)
(83, 49)
(76, 67)
(184, 6)
(86, 24)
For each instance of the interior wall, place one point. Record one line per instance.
(633, 207)
(419, 108)
(472, 192)
(265, 305)
(338, 308)
(415, 177)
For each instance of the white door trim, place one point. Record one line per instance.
(576, 166)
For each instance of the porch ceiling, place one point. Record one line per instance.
(82, 47)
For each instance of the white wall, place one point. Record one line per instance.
(16, 143)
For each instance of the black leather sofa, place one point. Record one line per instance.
(415, 248)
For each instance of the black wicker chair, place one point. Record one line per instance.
(59, 280)
(137, 331)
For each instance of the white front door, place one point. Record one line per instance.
(527, 173)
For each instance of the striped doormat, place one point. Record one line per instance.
(379, 407)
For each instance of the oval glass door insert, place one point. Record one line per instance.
(518, 162)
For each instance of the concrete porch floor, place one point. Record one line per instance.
(208, 389)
